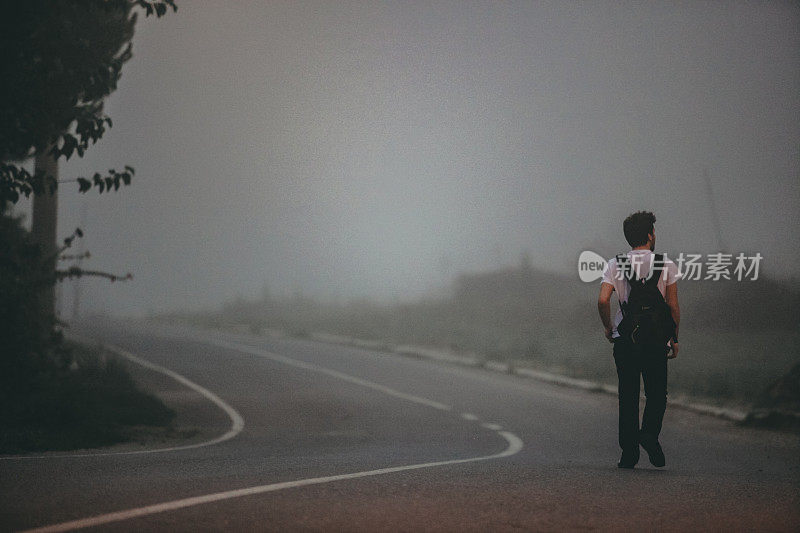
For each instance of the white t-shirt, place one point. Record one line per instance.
(642, 262)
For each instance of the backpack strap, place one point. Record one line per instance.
(656, 269)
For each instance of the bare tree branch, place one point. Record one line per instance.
(77, 272)
(75, 257)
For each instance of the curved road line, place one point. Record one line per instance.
(515, 444)
(237, 422)
(252, 350)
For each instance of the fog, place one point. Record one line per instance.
(348, 150)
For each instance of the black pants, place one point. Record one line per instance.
(651, 362)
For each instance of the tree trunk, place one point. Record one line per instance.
(43, 229)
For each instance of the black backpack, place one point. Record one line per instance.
(646, 317)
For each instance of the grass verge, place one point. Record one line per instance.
(91, 403)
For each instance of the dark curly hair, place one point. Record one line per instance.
(637, 227)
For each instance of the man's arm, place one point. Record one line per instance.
(671, 298)
(604, 307)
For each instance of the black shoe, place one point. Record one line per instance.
(653, 449)
(629, 458)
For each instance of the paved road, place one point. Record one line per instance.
(466, 450)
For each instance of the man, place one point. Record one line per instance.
(632, 355)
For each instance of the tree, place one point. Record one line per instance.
(61, 58)
(25, 334)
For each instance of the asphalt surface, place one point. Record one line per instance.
(475, 451)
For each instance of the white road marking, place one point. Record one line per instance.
(237, 422)
(493, 427)
(514, 446)
(334, 373)
(468, 416)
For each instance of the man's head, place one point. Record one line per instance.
(639, 229)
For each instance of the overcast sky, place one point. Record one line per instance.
(378, 149)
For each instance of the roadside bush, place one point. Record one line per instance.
(29, 340)
(93, 404)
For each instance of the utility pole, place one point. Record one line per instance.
(43, 227)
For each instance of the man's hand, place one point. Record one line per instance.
(673, 352)
(609, 332)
